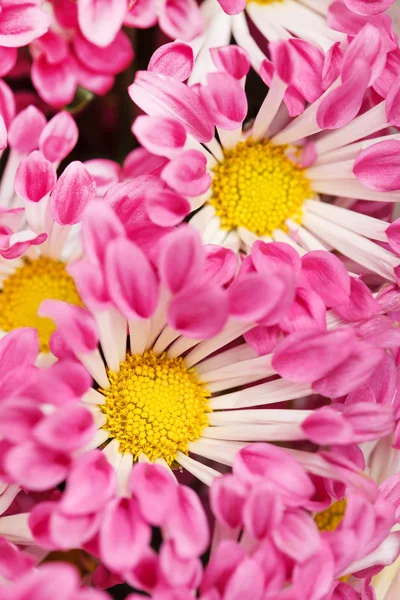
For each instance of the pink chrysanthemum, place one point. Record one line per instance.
(261, 182)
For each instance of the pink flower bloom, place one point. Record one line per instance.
(244, 199)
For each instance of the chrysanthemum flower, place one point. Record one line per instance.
(261, 182)
(290, 519)
(168, 381)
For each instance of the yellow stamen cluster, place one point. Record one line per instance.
(266, 1)
(330, 519)
(155, 406)
(27, 287)
(258, 187)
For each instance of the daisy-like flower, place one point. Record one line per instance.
(261, 182)
(172, 364)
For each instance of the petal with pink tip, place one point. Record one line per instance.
(378, 166)
(392, 104)
(351, 372)
(187, 525)
(343, 103)
(19, 348)
(22, 22)
(58, 137)
(18, 419)
(98, 59)
(25, 130)
(55, 84)
(175, 60)
(90, 486)
(232, 59)
(180, 19)
(367, 46)
(72, 192)
(8, 59)
(150, 482)
(227, 497)
(130, 278)
(123, 535)
(187, 173)
(105, 173)
(13, 562)
(272, 256)
(181, 259)
(39, 523)
(307, 312)
(307, 356)
(142, 14)
(232, 7)
(100, 223)
(53, 46)
(368, 7)
(297, 535)
(221, 264)
(8, 107)
(198, 312)
(100, 20)
(263, 511)
(225, 100)
(35, 177)
(69, 428)
(247, 579)
(326, 275)
(361, 304)
(158, 95)
(251, 297)
(328, 426)
(393, 234)
(160, 135)
(73, 531)
(35, 467)
(166, 208)
(263, 339)
(76, 324)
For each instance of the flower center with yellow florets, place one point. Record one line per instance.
(155, 406)
(25, 290)
(258, 187)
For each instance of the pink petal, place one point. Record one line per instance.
(18, 419)
(58, 137)
(53, 46)
(361, 304)
(91, 484)
(328, 426)
(105, 173)
(343, 103)
(187, 525)
(55, 84)
(39, 523)
(19, 348)
(123, 535)
(258, 462)
(13, 562)
(131, 281)
(8, 107)
(263, 339)
(353, 371)
(251, 297)
(166, 208)
(35, 177)
(21, 23)
(248, 578)
(392, 105)
(368, 7)
(188, 174)
(35, 467)
(393, 234)
(221, 264)
(326, 275)
(262, 512)
(100, 20)
(227, 499)
(232, 7)
(181, 259)
(274, 255)
(180, 19)
(307, 356)
(175, 60)
(93, 81)
(367, 46)
(232, 59)
(142, 14)
(100, 223)
(225, 100)
(8, 59)
(313, 577)
(141, 162)
(160, 135)
(307, 312)
(25, 130)
(76, 324)
(72, 192)
(158, 95)
(149, 483)
(199, 313)
(73, 531)
(297, 535)
(378, 166)
(98, 59)
(63, 383)
(67, 429)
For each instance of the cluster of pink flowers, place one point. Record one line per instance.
(200, 323)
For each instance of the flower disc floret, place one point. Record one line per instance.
(258, 187)
(25, 289)
(155, 406)
(330, 519)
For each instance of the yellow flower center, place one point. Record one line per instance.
(265, 1)
(258, 187)
(330, 519)
(155, 406)
(27, 287)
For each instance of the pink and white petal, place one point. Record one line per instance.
(35, 177)
(166, 208)
(25, 130)
(175, 60)
(8, 59)
(232, 7)
(101, 20)
(232, 59)
(187, 173)
(158, 95)
(368, 7)
(142, 14)
(149, 482)
(76, 324)
(35, 467)
(58, 137)
(105, 173)
(160, 135)
(378, 166)
(180, 19)
(325, 274)
(53, 46)
(98, 59)
(225, 100)
(367, 46)
(199, 313)
(21, 23)
(181, 259)
(70, 428)
(187, 525)
(72, 192)
(55, 84)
